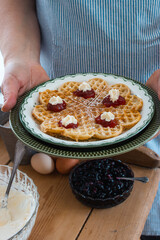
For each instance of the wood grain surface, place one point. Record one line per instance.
(125, 221)
(62, 217)
(141, 156)
(4, 156)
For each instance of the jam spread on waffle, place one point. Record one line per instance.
(70, 125)
(105, 123)
(84, 94)
(56, 108)
(108, 103)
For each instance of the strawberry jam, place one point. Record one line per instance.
(84, 94)
(70, 125)
(56, 108)
(108, 103)
(105, 123)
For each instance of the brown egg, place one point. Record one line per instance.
(64, 165)
(42, 163)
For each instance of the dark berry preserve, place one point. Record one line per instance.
(95, 182)
(104, 123)
(84, 94)
(108, 102)
(57, 107)
(70, 125)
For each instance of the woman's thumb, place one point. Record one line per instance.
(9, 89)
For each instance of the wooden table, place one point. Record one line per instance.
(62, 217)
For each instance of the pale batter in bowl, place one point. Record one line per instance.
(17, 221)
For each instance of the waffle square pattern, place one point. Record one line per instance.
(86, 110)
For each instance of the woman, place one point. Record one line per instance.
(111, 36)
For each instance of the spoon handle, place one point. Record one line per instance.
(141, 179)
(19, 153)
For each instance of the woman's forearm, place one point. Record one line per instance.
(20, 36)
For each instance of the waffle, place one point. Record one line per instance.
(133, 102)
(123, 89)
(87, 127)
(83, 132)
(127, 118)
(40, 113)
(46, 95)
(99, 85)
(86, 110)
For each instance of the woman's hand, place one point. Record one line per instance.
(154, 83)
(20, 47)
(20, 76)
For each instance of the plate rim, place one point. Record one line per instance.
(84, 155)
(85, 144)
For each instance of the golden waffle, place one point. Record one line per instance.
(86, 110)
(87, 127)
(68, 87)
(127, 118)
(40, 113)
(134, 102)
(47, 94)
(101, 132)
(83, 132)
(99, 85)
(124, 90)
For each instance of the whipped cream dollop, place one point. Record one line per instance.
(69, 119)
(19, 210)
(84, 86)
(107, 116)
(55, 100)
(114, 94)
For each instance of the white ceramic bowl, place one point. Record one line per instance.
(25, 184)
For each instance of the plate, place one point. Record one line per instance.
(32, 99)
(86, 153)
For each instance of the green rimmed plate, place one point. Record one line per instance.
(86, 153)
(31, 99)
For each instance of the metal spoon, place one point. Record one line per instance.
(19, 153)
(141, 179)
